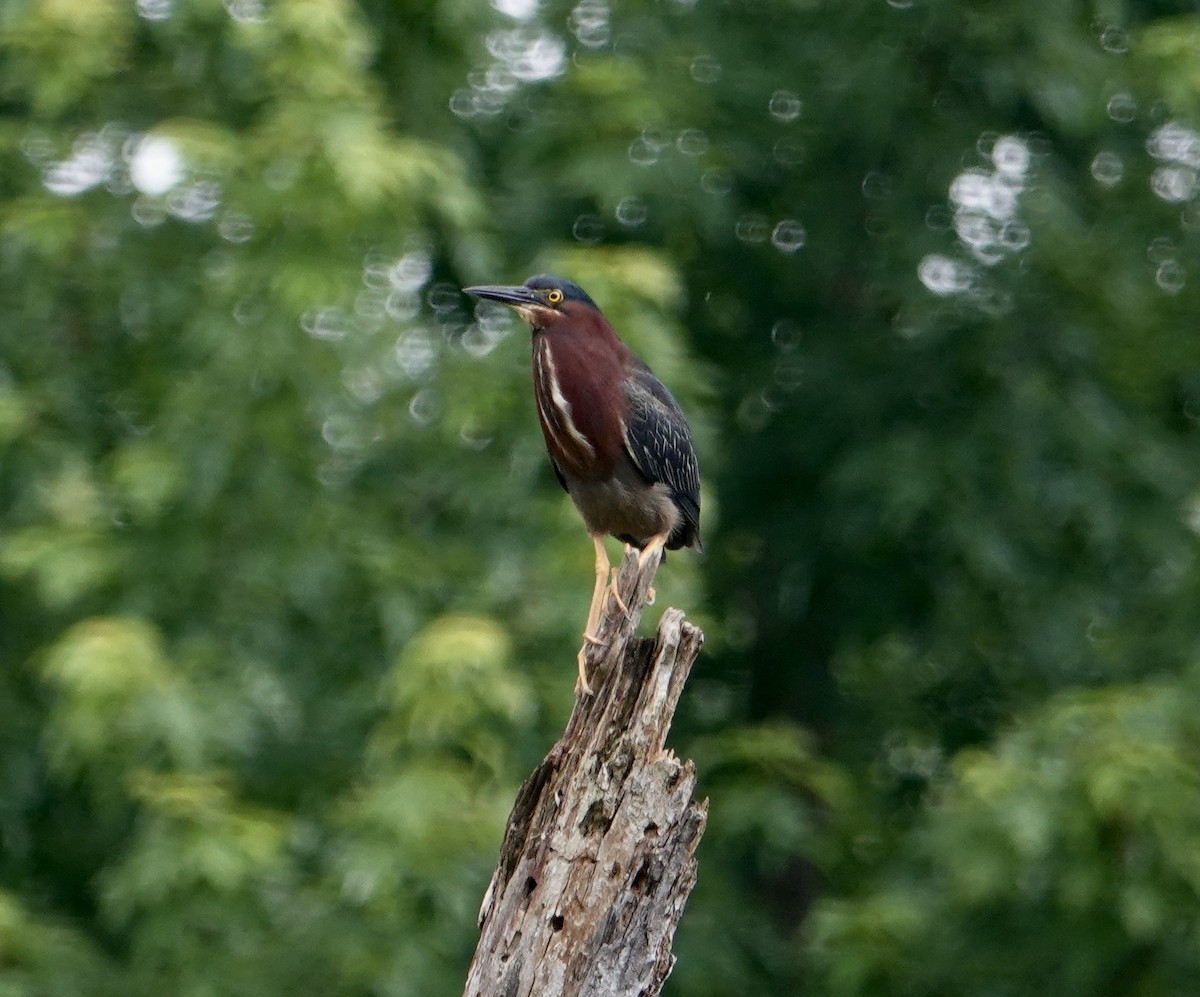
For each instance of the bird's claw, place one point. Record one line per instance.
(582, 686)
(615, 591)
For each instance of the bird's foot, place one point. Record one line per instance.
(615, 591)
(582, 687)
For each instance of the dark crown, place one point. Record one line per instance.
(571, 291)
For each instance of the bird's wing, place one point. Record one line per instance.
(658, 440)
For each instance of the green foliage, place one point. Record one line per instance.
(1078, 824)
(288, 595)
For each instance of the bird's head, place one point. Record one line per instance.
(542, 300)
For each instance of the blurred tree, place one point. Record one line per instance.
(288, 594)
(251, 746)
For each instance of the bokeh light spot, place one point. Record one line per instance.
(788, 236)
(1107, 169)
(784, 106)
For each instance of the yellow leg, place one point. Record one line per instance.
(654, 544)
(599, 590)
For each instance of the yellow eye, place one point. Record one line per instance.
(554, 296)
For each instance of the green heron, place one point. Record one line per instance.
(617, 440)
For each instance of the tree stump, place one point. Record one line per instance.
(598, 858)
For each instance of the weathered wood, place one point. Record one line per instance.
(598, 858)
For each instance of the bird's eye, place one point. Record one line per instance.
(554, 296)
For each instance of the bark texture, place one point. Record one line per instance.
(598, 857)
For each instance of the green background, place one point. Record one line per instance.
(289, 598)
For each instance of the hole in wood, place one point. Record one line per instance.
(530, 885)
(651, 830)
(512, 946)
(596, 820)
(641, 878)
(556, 922)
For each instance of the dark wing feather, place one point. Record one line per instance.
(658, 440)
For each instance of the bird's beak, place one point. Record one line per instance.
(517, 296)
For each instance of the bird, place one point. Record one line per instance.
(617, 439)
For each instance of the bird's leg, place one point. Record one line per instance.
(599, 591)
(656, 543)
(653, 545)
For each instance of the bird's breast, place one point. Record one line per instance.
(579, 406)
